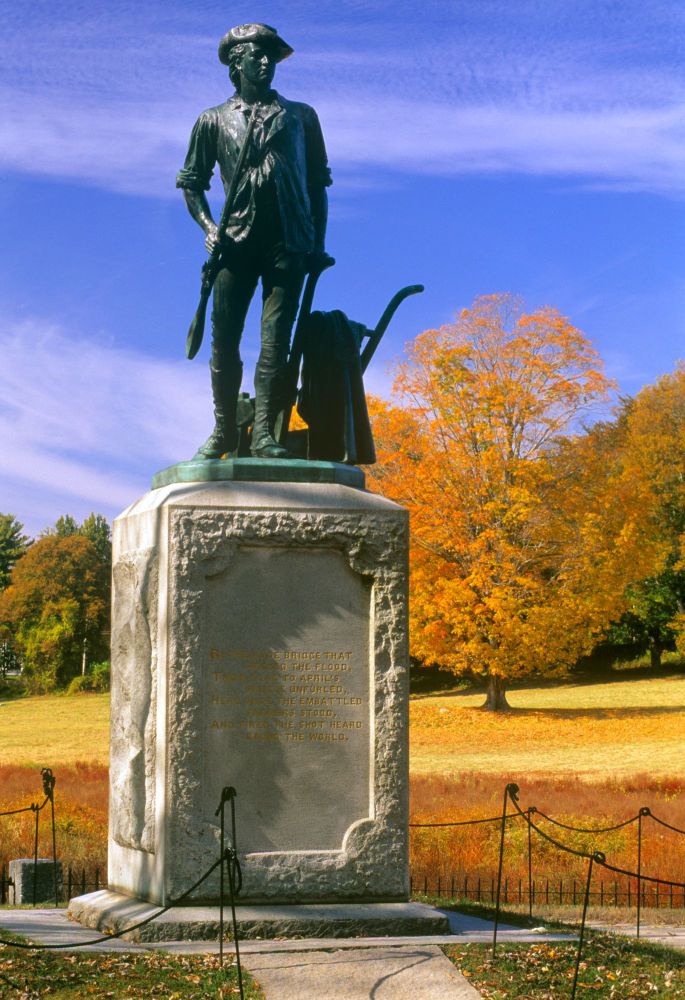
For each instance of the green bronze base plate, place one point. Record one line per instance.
(259, 470)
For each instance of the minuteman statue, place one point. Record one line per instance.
(275, 229)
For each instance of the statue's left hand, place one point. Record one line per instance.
(212, 239)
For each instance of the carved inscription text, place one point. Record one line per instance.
(287, 680)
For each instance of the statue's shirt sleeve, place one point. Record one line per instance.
(201, 158)
(318, 171)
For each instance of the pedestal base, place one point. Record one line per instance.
(259, 641)
(112, 911)
(259, 470)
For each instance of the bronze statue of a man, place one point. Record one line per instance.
(275, 231)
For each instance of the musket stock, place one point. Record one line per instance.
(197, 327)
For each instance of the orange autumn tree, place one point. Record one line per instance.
(499, 587)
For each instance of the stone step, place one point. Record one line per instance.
(111, 911)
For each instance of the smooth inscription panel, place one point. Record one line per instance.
(286, 697)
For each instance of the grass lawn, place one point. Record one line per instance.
(593, 730)
(138, 976)
(54, 730)
(611, 968)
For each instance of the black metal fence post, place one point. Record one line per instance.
(530, 812)
(644, 811)
(599, 857)
(36, 810)
(229, 859)
(220, 812)
(49, 781)
(512, 790)
(233, 868)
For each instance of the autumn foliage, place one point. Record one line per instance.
(525, 529)
(58, 597)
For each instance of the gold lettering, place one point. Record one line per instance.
(286, 695)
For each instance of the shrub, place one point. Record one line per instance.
(97, 679)
(80, 684)
(100, 676)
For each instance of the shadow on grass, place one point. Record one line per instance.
(595, 713)
(442, 684)
(11, 688)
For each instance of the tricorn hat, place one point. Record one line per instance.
(262, 34)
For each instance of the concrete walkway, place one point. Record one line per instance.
(378, 968)
(380, 973)
(674, 937)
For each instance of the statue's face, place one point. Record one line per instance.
(257, 65)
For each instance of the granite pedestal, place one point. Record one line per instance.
(259, 640)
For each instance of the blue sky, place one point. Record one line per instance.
(476, 146)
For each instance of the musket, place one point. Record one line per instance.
(210, 268)
(376, 335)
(295, 356)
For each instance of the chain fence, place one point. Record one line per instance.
(227, 862)
(594, 859)
(633, 890)
(639, 888)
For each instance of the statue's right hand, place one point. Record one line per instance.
(212, 239)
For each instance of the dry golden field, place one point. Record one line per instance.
(53, 730)
(595, 731)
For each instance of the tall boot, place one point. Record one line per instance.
(264, 444)
(225, 389)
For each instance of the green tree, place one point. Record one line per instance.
(13, 544)
(652, 619)
(65, 526)
(58, 599)
(95, 527)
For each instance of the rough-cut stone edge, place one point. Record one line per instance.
(111, 911)
(135, 601)
(373, 860)
(260, 470)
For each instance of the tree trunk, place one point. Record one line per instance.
(655, 654)
(496, 700)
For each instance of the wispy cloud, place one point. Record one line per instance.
(84, 425)
(105, 108)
